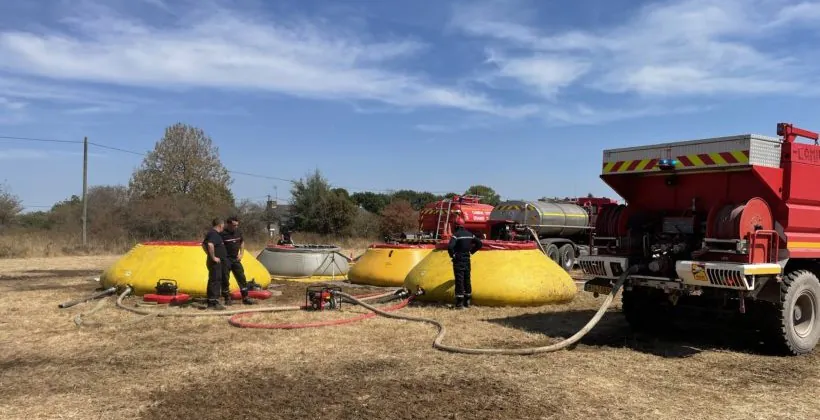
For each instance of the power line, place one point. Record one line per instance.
(273, 178)
(102, 146)
(40, 140)
(261, 176)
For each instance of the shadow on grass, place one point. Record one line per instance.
(361, 390)
(684, 339)
(48, 274)
(34, 280)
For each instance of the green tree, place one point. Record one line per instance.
(398, 217)
(316, 208)
(36, 220)
(370, 201)
(184, 162)
(253, 219)
(107, 211)
(108, 207)
(367, 224)
(66, 214)
(416, 199)
(168, 218)
(10, 206)
(487, 194)
(342, 192)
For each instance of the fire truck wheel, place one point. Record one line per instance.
(552, 253)
(798, 326)
(567, 257)
(645, 309)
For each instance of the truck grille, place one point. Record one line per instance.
(595, 268)
(732, 279)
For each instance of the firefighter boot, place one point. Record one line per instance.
(245, 299)
(228, 301)
(215, 305)
(459, 302)
(468, 300)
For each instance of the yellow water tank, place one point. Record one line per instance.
(387, 265)
(183, 262)
(503, 274)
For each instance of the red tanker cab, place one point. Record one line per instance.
(437, 218)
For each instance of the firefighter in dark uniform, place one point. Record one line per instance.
(285, 239)
(234, 245)
(462, 245)
(216, 262)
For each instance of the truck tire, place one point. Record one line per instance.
(552, 253)
(646, 310)
(797, 318)
(567, 257)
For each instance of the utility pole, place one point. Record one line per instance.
(85, 191)
(267, 216)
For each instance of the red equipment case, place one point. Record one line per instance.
(254, 294)
(166, 299)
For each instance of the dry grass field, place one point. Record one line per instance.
(121, 366)
(29, 244)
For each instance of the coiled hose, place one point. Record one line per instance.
(437, 343)
(128, 291)
(236, 320)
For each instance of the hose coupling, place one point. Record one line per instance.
(402, 293)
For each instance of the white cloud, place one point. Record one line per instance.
(582, 114)
(11, 104)
(672, 49)
(667, 53)
(12, 111)
(216, 48)
(29, 90)
(546, 73)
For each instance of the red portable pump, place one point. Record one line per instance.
(320, 298)
(167, 293)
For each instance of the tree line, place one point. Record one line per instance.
(182, 184)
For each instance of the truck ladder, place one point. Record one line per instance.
(439, 226)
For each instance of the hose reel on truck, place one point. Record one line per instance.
(750, 224)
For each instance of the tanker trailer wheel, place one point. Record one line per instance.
(552, 253)
(797, 327)
(646, 309)
(567, 257)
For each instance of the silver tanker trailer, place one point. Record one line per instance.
(563, 226)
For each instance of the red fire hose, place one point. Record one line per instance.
(235, 320)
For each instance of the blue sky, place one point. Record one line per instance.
(521, 95)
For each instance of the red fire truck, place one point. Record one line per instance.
(726, 223)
